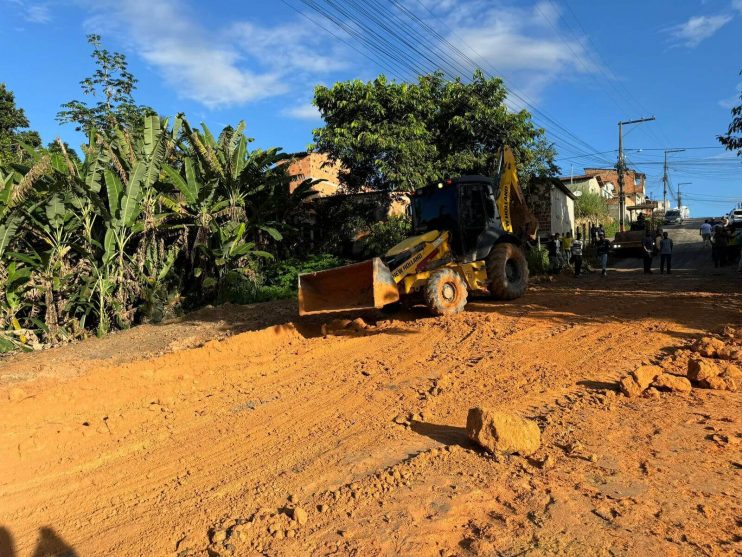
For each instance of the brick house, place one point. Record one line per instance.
(634, 188)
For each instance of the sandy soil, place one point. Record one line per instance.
(164, 439)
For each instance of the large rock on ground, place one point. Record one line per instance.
(644, 375)
(502, 432)
(729, 353)
(702, 370)
(730, 379)
(708, 346)
(630, 387)
(669, 382)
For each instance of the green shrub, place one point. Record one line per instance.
(538, 261)
(284, 275)
(238, 288)
(610, 228)
(385, 235)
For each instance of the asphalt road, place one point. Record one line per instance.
(689, 254)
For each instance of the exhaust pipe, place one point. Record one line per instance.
(365, 285)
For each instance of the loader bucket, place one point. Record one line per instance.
(365, 285)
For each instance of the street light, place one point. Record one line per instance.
(680, 197)
(621, 167)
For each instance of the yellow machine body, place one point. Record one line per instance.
(371, 284)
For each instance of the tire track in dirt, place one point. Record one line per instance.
(239, 424)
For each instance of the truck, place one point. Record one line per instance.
(677, 215)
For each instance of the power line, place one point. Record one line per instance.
(390, 51)
(494, 70)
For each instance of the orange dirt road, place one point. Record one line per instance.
(162, 439)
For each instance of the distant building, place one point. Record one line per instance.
(590, 184)
(553, 204)
(316, 166)
(634, 188)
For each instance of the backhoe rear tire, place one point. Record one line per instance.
(507, 272)
(446, 292)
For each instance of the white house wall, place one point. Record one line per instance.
(562, 212)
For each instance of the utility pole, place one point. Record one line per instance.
(680, 197)
(666, 179)
(621, 168)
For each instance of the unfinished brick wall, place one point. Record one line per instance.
(634, 192)
(318, 167)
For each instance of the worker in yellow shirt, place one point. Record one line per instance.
(567, 245)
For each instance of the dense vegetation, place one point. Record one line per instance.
(151, 219)
(592, 208)
(155, 217)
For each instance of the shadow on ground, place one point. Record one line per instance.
(49, 544)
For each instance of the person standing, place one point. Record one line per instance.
(603, 247)
(552, 248)
(706, 233)
(567, 245)
(593, 234)
(648, 246)
(719, 247)
(576, 250)
(666, 246)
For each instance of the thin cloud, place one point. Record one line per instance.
(524, 45)
(305, 111)
(733, 101)
(293, 47)
(235, 65)
(39, 13)
(698, 28)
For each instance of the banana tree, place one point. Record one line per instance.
(57, 263)
(9, 220)
(121, 221)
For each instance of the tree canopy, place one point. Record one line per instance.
(401, 136)
(12, 123)
(732, 140)
(113, 84)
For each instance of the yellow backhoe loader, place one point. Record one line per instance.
(468, 237)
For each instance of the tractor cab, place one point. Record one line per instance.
(465, 207)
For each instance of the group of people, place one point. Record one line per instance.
(661, 243)
(570, 249)
(717, 236)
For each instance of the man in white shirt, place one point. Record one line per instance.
(706, 233)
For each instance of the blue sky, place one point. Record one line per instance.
(580, 65)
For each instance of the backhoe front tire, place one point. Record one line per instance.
(507, 272)
(446, 292)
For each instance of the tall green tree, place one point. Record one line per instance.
(732, 140)
(401, 136)
(113, 84)
(13, 120)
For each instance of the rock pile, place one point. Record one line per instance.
(645, 377)
(712, 363)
